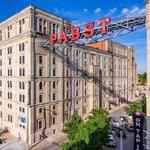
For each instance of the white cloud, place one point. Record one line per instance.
(85, 9)
(97, 10)
(132, 12)
(125, 11)
(111, 11)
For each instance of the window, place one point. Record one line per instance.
(9, 95)
(9, 106)
(0, 72)
(10, 118)
(85, 92)
(77, 102)
(20, 27)
(9, 61)
(23, 21)
(77, 83)
(53, 120)
(76, 92)
(21, 98)
(21, 59)
(21, 85)
(9, 50)
(40, 72)
(0, 52)
(40, 59)
(9, 83)
(1, 114)
(8, 32)
(54, 72)
(0, 102)
(39, 124)
(54, 96)
(40, 25)
(44, 27)
(0, 93)
(23, 46)
(67, 83)
(54, 28)
(40, 98)
(40, 110)
(9, 72)
(54, 61)
(54, 85)
(0, 83)
(0, 62)
(21, 109)
(19, 47)
(40, 86)
(21, 72)
(0, 35)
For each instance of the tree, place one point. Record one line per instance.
(91, 134)
(72, 126)
(142, 78)
(136, 106)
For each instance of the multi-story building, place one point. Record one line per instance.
(124, 77)
(40, 88)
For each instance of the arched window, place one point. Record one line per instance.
(40, 86)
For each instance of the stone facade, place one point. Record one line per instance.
(41, 88)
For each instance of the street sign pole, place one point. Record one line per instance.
(121, 142)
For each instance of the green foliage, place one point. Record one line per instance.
(136, 106)
(88, 135)
(144, 104)
(142, 78)
(72, 126)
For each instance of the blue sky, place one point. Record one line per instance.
(82, 11)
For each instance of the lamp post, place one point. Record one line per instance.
(121, 141)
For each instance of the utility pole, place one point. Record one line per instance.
(121, 141)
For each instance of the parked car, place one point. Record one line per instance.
(111, 141)
(110, 130)
(123, 132)
(115, 123)
(129, 127)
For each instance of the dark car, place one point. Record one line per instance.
(118, 132)
(129, 127)
(111, 141)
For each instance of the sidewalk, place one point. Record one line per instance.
(51, 143)
(124, 104)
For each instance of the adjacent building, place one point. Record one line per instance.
(41, 87)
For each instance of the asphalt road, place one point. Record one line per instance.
(127, 142)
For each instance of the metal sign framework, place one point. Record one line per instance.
(114, 29)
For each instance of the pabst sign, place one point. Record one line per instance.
(138, 119)
(75, 32)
